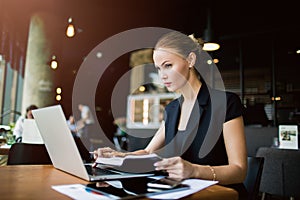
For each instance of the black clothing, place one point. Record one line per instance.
(210, 111)
(199, 123)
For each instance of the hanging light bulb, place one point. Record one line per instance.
(54, 63)
(210, 46)
(58, 94)
(209, 35)
(58, 97)
(70, 32)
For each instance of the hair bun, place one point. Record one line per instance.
(199, 41)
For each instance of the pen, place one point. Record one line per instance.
(89, 190)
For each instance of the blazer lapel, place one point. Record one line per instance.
(173, 118)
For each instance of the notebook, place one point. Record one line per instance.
(63, 151)
(31, 133)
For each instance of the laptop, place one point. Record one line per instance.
(63, 151)
(31, 133)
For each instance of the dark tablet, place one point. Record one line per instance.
(132, 188)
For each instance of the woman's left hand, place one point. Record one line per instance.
(176, 167)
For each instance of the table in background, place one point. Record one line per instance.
(35, 181)
(4, 149)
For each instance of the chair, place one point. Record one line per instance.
(257, 137)
(291, 177)
(254, 172)
(28, 154)
(281, 173)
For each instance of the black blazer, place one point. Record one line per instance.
(203, 138)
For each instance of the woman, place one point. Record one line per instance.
(18, 130)
(176, 57)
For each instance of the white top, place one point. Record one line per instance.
(31, 133)
(18, 130)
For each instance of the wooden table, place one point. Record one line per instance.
(35, 181)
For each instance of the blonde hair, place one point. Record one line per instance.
(182, 45)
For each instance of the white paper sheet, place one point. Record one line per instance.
(79, 192)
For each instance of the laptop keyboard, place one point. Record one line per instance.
(96, 171)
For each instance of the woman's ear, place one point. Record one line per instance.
(191, 59)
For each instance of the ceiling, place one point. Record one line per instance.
(99, 19)
(257, 27)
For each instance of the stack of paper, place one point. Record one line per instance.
(131, 163)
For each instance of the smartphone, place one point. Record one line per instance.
(164, 183)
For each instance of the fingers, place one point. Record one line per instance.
(102, 184)
(175, 176)
(95, 154)
(105, 152)
(167, 163)
(174, 166)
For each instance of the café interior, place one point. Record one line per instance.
(49, 48)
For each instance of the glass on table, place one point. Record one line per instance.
(10, 138)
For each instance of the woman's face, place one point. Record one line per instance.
(29, 115)
(172, 69)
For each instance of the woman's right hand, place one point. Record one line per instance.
(107, 152)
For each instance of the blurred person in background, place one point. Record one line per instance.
(18, 130)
